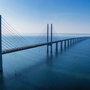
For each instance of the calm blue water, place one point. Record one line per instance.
(33, 69)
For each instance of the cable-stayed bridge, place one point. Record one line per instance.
(17, 43)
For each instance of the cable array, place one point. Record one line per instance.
(55, 35)
(11, 38)
(41, 38)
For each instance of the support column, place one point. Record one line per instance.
(73, 41)
(68, 42)
(47, 37)
(56, 46)
(76, 40)
(51, 38)
(79, 39)
(0, 47)
(61, 44)
(65, 43)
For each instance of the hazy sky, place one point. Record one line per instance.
(31, 16)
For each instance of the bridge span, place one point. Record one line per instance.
(70, 41)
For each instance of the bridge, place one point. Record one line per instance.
(3, 44)
(42, 44)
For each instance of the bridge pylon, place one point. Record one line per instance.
(48, 37)
(0, 46)
(51, 36)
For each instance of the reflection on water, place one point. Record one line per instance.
(34, 69)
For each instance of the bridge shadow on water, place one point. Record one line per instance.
(49, 57)
(32, 70)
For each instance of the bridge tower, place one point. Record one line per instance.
(48, 37)
(51, 36)
(0, 46)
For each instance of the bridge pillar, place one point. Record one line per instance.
(73, 41)
(0, 47)
(51, 37)
(76, 40)
(79, 39)
(57, 46)
(65, 43)
(61, 44)
(68, 42)
(47, 37)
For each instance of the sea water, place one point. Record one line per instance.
(34, 69)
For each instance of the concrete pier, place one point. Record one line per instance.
(73, 41)
(61, 44)
(68, 43)
(65, 43)
(56, 46)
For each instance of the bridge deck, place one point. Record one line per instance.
(37, 45)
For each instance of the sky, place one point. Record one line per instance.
(32, 16)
